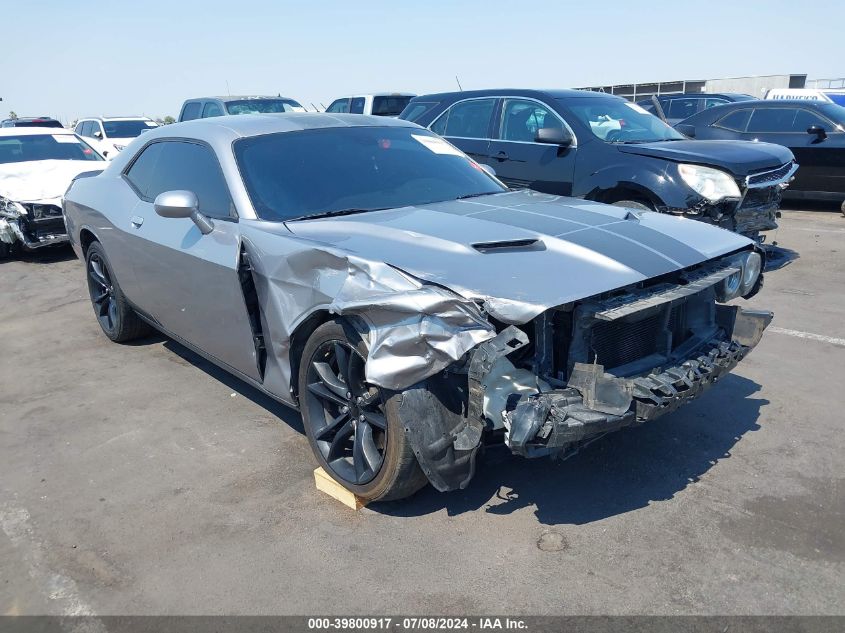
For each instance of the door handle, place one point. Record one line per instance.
(500, 156)
(136, 221)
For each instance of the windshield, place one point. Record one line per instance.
(617, 121)
(24, 148)
(262, 106)
(36, 123)
(127, 129)
(389, 106)
(293, 174)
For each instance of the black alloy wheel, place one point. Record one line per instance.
(102, 293)
(345, 415)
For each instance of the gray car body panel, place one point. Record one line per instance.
(414, 278)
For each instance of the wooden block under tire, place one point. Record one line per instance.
(325, 483)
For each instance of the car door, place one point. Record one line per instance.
(519, 161)
(468, 125)
(188, 281)
(820, 157)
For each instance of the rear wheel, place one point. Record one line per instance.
(352, 429)
(116, 317)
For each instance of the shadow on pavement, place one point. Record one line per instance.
(281, 411)
(45, 255)
(619, 473)
(778, 257)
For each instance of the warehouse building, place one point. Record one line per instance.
(755, 86)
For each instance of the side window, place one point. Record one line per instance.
(772, 120)
(682, 108)
(78, 128)
(211, 109)
(805, 119)
(468, 119)
(95, 127)
(141, 173)
(339, 106)
(191, 111)
(736, 121)
(357, 106)
(415, 110)
(521, 119)
(171, 165)
(714, 101)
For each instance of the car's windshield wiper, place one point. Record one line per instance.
(335, 213)
(477, 195)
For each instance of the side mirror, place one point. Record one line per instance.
(686, 129)
(98, 134)
(818, 131)
(553, 136)
(182, 204)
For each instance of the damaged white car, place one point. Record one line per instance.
(368, 273)
(36, 167)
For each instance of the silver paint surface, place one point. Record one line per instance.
(412, 275)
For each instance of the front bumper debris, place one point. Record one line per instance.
(34, 226)
(593, 403)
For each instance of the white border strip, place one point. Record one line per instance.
(808, 335)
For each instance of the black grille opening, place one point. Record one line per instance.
(615, 343)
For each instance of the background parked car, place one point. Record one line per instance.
(112, 134)
(604, 148)
(382, 104)
(681, 106)
(204, 107)
(813, 130)
(38, 121)
(36, 167)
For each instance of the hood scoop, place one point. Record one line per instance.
(510, 246)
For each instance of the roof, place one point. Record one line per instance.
(31, 118)
(555, 93)
(228, 98)
(113, 118)
(379, 94)
(255, 124)
(33, 131)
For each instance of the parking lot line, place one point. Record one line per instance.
(808, 335)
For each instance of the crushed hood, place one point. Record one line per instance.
(523, 252)
(41, 180)
(740, 157)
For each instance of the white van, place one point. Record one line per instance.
(828, 95)
(382, 104)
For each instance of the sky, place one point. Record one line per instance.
(95, 57)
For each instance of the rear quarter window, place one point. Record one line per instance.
(416, 110)
(191, 111)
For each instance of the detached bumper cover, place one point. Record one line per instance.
(595, 403)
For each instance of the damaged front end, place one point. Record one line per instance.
(31, 225)
(578, 371)
(756, 209)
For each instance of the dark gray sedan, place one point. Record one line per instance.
(370, 274)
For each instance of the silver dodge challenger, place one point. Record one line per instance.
(370, 274)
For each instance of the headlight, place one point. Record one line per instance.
(10, 209)
(713, 184)
(741, 282)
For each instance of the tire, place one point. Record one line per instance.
(633, 204)
(364, 447)
(116, 317)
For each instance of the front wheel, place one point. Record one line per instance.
(352, 429)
